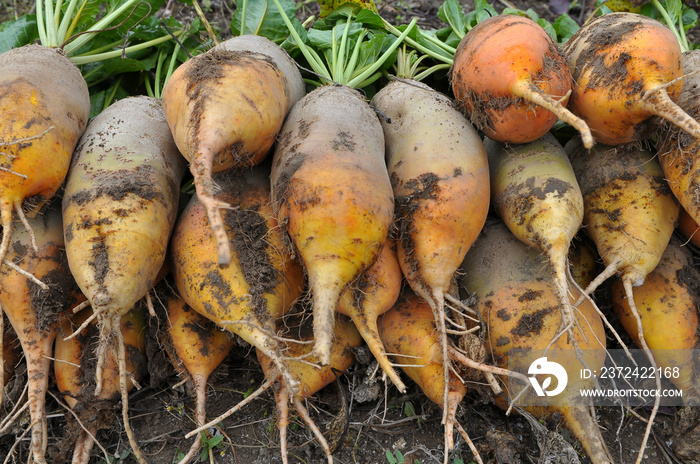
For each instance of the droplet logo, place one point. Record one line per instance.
(541, 366)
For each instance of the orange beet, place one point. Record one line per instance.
(624, 67)
(510, 79)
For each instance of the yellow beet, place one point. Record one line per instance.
(119, 208)
(225, 108)
(310, 377)
(74, 372)
(120, 204)
(370, 296)
(535, 192)
(512, 81)
(34, 311)
(629, 210)
(331, 193)
(196, 346)
(624, 68)
(440, 178)
(667, 306)
(679, 153)
(409, 332)
(518, 302)
(263, 279)
(45, 107)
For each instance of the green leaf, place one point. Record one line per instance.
(674, 8)
(331, 6)
(690, 18)
(603, 10)
(529, 13)
(290, 44)
(87, 15)
(214, 441)
(136, 24)
(372, 49)
(344, 11)
(18, 32)
(390, 457)
(451, 13)
(99, 72)
(141, 14)
(97, 103)
(565, 27)
(548, 28)
(369, 18)
(451, 40)
(649, 10)
(448, 36)
(408, 409)
(320, 40)
(482, 10)
(102, 99)
(263, 18)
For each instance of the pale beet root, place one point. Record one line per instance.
(119, 208)
(262, 281)
(536, 193)
(517, 298)
(440, 179)
(669, 318)
(629, 210)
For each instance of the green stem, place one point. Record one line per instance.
(333, 62)
(316, 65)
(57, 14)
(86, 58)
(78, 42)
(439, 43)
(459, 33)
(340, 63)
(50, 24)
(43, 38)
(353, 59)
(74, 23)
(149, 89)
(112, 92)
(173, 64)
(672, 25)
(403, 60)
(429, 71)
(66, 20)
(431, 53)
(104, 48)
(681, 30)
(244, 14)
(367, 81)
(159, 67)
(378, 64)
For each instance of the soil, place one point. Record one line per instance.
(379, 420)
